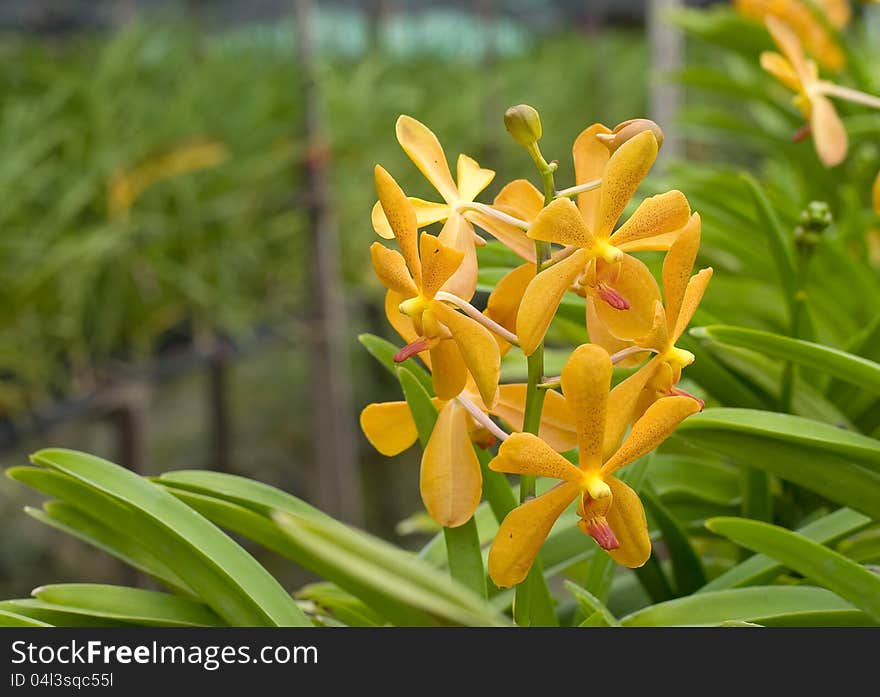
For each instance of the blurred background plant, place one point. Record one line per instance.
(154, 238)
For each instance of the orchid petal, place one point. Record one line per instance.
(623, 406)
(504, 300)
(561, 222)
(790, 46)
(627, 520)
(458, 234)
(677, 267)
(472, 178)
(448, 370)
(556, 428)
(631, 279)
(693, 294)
(622, 176)
(439, 262)
(389, 427)
(657, 215)
(526, 453)
(450, 480)
(829, 134)
(427, 212)
(390, 267)
(586, 379)
(523, 531)
(423, 148)
(781, 69)
(542, 298)
(401, 218)
(655, 426)
(590, 157)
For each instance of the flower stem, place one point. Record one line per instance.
(475, 314)
(579, 189)
(850, 95)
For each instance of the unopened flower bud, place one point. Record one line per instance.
(629, 129)
(524, 124)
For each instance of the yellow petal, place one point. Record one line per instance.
(478, 349)
(790, 46)
(601, 336)
(390, 267)
(561, 222)
(677, 267)
(692, 296)
(829, 134)
(543, 296)
(401, 218)
(590, 157)
(657, 215)
(389, 427)
(458, 234)
(557, 427)
(439, 262)
(586, 379)
(631, 279)
(875, 194)
(781, 69)
(402, 324)
(526, 453)
(658, 422)
(624, 172)
(510, 236)
(523, 531)
(520, 199)
(472, 178)
(448, 371)
(450, 479)
(504, 300)
(624, 406)
(423, 148)
(427, 212)
(627, 520)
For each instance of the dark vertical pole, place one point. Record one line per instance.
(218, 406)
(336, 475)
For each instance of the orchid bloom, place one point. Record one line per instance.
(809, 30)
(458, 209)
(610, 511)
(450, 479)
(801, 75)
(597, 262)
(457, 344)
(683, 293)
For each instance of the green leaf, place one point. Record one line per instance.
(760, 568)
(682, 477)
(383, 351)
(11, 619)
(838, 464)
(218, 570)
(344, 606)
(132, 605)
(420, 405)
(821, 565)
(686, 567)
(770, 605)
(590, 604)
(38, 610)
(840, 364)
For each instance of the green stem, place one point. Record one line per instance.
(465, 558)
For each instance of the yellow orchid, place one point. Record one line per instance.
(458, 209)
(610, 511)
(450, 479)
(457, 344)
(801, 75)
(683, 293)
(595, 259)
(809, 30)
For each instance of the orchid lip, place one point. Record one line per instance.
(678, 392)
(411, 350)
(612, 297)
(599, 530)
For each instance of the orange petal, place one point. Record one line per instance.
(458, 234)
(693, 294)
(601, 336)
(401, 218)
(561, 222)
(623, 406)
(624, 172)
(509, 235)
(389, 427)
(478, 349)
(450, 481)
(781, 69)
(790, 46)
(557, 427)
(427, 212)
(402, 324)
(658, 422)
(626, 517)
(423, 148)
(526, 453)
(542, 298)
(504, 300)
(448, 371)
(829, 134)
(523, 531)
(390, 267)
(439, 262)
(472, 178)
(590, 157)
(632, 280)
(657, 215)
(677, 267)
(586, 379)
(520, 199)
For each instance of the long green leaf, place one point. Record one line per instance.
(770, 605)
(686, 567)
(824, 566)
(590, 604)
(383, 351)
(223, 574)
(840, 364)
(11, 619)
